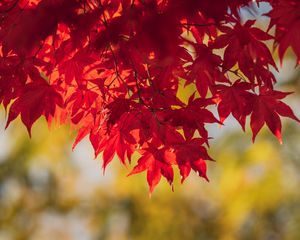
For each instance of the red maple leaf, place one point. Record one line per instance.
(285, 15)
(157, 162)
(233, 99)
(119, 139)
(266, 108)
(205, 69)
(245, 46)
(37, 99)
(192, 155)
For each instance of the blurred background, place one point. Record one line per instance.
(49, 192)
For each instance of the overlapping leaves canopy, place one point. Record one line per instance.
(112, 70)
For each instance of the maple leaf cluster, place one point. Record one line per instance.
(112, 69)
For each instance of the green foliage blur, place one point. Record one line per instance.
(49, 192)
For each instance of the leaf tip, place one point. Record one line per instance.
(279, 137)
(29, 130)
